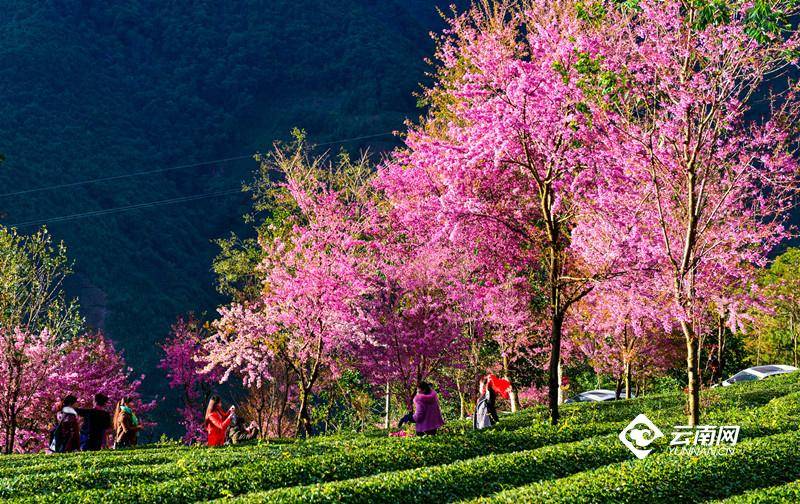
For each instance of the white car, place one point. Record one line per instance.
(598, 395)
(758, 373)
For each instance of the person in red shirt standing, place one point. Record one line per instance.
(217, 421)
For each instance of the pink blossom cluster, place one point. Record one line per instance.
(38, 370)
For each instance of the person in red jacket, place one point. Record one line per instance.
(217, 421)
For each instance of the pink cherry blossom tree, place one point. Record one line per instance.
(705, 185)
(415, 257)
(506, 151)
(412, 327)
(37, 371)
(44, 353)
(25, 366)
(621, 334)
(312, 282)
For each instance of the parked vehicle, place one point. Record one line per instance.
(758, 373)
(598, 395)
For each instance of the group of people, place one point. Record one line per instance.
(427, 414)
(224, 426)
(87, 429)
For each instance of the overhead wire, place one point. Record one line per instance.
(150, 204)
(122, 176)
(172, 168)
(114, 210)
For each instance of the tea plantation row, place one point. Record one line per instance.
(522, 459)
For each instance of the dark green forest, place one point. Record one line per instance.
(94, 89)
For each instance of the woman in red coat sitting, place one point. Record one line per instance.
(217, 421)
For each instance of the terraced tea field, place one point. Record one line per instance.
(522, 459)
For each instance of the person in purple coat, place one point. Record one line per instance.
(427, 414)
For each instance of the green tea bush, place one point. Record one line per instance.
(670, 478)
(273, 473)
(523, 458)
(461, 479)
(482, 475)
(789, 492)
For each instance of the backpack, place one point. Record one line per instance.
(57, 439)
(62, 434)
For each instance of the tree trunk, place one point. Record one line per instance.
(9, 439)
(11, 433)
(556, 306)
(261, 423)
(507, 376)
(560, 381)
(462, 404)
(279, 419)
(758, 350)
(284, 401)
(627, 380)
(12, 438)
(554, 386)
(794, 338)
(618, 388)
(387, 407)
(303, 417)
(692, 369)
(720, 350)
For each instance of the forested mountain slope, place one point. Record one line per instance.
(94, 89)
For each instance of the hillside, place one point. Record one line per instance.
(96, 90)
(522, 459)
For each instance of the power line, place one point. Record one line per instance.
(173, 168)
(151, 204)
(114, 210)
(365, 137)
(124, 176)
